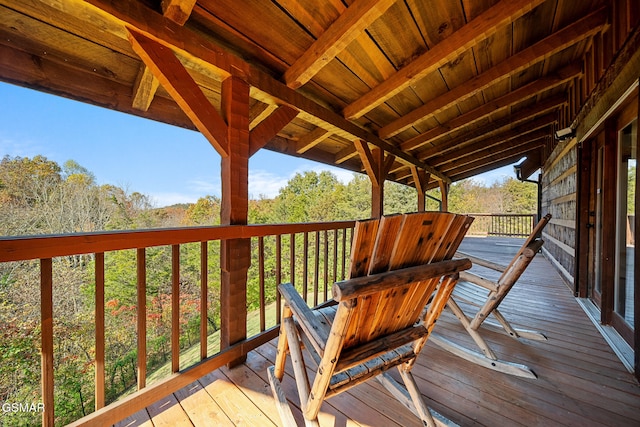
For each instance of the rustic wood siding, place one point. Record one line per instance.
(559, 196)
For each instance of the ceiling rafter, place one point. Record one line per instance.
(539, 126)
(508, 100)
(480, 28)
(512, 154)
(144, 89)
(349, 26)
(311, 139)
(260, 112)
(178, 10)
(535, 53)
(524, 115)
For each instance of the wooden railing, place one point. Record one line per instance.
(503, 225)
(317, 256)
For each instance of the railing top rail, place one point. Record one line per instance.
(21, 248)
(501, 214)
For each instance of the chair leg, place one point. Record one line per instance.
(299, 368)
(511, 331)
(283, 346)
(411, 397)
(455, 308)
(281, 400)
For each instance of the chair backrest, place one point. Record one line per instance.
(535, 234)
(512, 273)
(393, 243)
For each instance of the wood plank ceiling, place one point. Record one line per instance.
(453, 88)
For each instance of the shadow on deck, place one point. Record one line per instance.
(580, 379)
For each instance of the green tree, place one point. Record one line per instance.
(519, 197)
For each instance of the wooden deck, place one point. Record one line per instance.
(581, 381)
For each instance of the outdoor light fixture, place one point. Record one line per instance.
(566, 133)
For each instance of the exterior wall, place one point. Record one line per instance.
(559, 197)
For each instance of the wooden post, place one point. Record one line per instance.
(235, 255)
(420, 179)
(444, 191)
(377, 167)
(377, 185)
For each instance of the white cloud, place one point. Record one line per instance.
(15, 148)
(265, 183)
(204, 187)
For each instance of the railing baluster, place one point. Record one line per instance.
(99, 313)
(305, 266)
(141, 312)
(46, 318)
(335, 256)
(204, 298)
(175, 308)
(292, 258)
(344, 253)
(278, 274)
(326, 264)
(316, 269)
(261, 283)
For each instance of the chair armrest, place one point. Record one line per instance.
(317, 332)
(482, 262)
(367, 285)
(479, 281)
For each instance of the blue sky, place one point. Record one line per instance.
(169, 164)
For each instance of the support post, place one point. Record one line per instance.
(235, 254)
(420, 179)
(444, 191)
(377, 186)
(377, 166)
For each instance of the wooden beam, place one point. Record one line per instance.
(345, 154)
(540, 51)
(260, 112)
(368, 162)
(146, 84)
(468, 173)
(183, 89)
(420, 180)
(377, 186)
(178, 10)
(481, 28)
(444, 193)
(349, 25)
(270, 127)
(506, 101)
(144, 89)
(516, 147)
(474, 134)
(494, 145)
(310, 140)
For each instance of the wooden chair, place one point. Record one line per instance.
(374, 322)
(472, 290)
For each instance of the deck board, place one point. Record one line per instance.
(580, 379)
